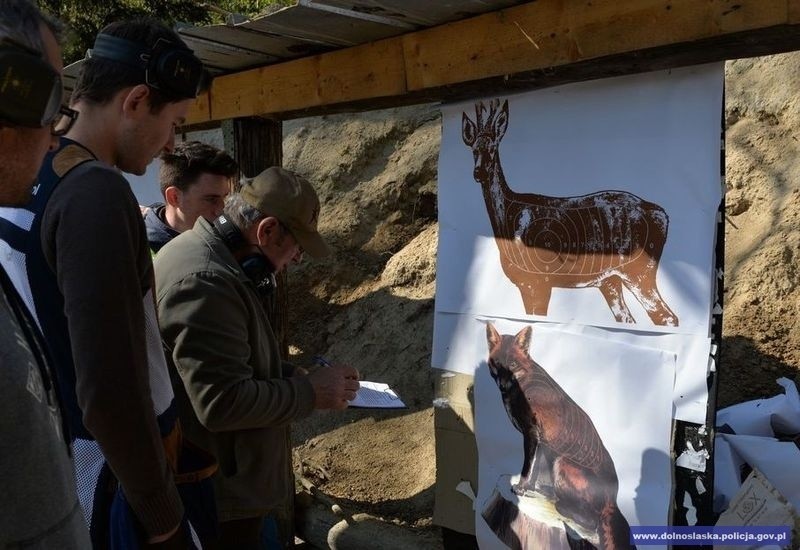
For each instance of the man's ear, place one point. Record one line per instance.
(267, 229)
(172, 196)
(137, 100)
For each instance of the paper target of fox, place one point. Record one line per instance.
(561, 465)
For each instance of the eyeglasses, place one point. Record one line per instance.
(63, 121)
(286, 231)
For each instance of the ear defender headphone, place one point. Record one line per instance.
(30, 89)
(256, 266)
(167, 66)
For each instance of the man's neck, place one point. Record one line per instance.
(96, 129)
(172, 220)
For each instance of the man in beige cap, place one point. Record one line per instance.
(236, 397)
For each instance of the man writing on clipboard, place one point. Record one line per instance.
(236, 397)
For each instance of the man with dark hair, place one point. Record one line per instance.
(235, 395)
(195, 179)
(87, 262)
(39, 504)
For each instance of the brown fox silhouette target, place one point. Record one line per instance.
(559, 439)
(605, 240)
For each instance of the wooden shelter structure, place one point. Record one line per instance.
(327, 56)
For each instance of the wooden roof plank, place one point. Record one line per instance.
(422, 12)
(545, 42)
(324, 26)
(250, 38)
(374, 70)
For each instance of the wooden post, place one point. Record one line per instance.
(256, 144)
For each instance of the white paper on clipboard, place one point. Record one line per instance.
(376, 395)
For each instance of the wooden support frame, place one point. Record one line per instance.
(257, 144)
(542, 43)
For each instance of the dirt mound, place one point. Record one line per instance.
(371, 304)
(761, 330)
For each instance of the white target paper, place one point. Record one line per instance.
(592, 203)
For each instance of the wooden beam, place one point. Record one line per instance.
(542, 43)
(257, 144)
(200, 110)
(359, 73)
(553, 33)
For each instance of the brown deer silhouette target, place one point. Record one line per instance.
(560, 442)
(605, 240)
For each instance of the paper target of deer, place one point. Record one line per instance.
(605, 240)
(604, 214)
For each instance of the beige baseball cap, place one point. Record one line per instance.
(290, 198)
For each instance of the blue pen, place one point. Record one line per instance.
(320, 360)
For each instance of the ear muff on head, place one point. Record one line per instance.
(30, 89)
(169, 67)
(259, 270)
(177, 70)
(229, 233)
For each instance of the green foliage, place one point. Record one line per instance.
(84, 18)
(252, 8)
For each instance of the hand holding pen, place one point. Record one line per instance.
(334, 385)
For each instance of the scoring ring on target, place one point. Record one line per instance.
(548, 245)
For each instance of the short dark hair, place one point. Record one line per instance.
(20, 21)
(189, 160)
(100, 79)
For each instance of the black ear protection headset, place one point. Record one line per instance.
(30, 89)
(167, 66)
(256, 266)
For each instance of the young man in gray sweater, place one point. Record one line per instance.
(39, 504)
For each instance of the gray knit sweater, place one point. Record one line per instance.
(38, 501)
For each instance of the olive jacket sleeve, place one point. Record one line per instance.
(217, 336)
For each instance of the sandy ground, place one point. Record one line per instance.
(761, 331)
(371, 304)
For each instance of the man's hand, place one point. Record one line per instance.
(175, 539)
(334, 386)
(299, 371)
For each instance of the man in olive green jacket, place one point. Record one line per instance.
(236, 397)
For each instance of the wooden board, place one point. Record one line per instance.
(362, 73)
(538, 44)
